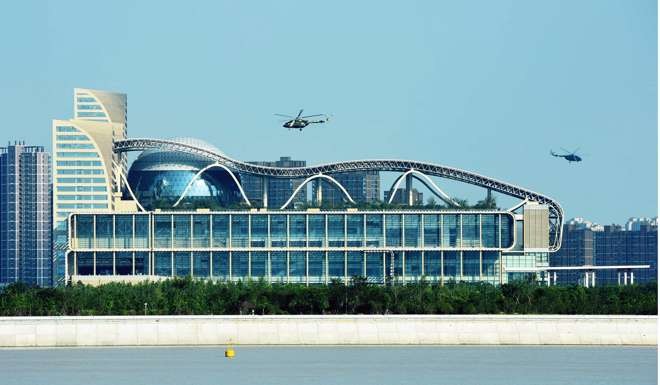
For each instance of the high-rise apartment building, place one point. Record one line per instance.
(87, 173)
(400, 197)
(588, 244)
(279, 190)
(362, 186)
(25, 215)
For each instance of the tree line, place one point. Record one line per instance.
(190, 297)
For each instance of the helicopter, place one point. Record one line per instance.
(299, 122)
(569, 156)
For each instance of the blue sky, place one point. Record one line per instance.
(488, 86)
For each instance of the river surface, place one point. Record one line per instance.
(510, 365)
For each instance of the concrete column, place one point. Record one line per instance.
(593, 279)
(618, 278)
(625, 278)
(632, 277)
(409, 191)
(554, 277)
(586, 279)
(264, 190)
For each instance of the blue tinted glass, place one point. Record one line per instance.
(278, 262)
(239, 232)
(471, 263)
(450, 230)
(239, 264)
(413, 265)
(470, 230)
(412, 232)
(278, 230)
(336, 268)
(316, 265)
(431, 231)
(182, 263)
(220, 261)
(432, 265)
(451, 265)
(374, 230)
(182, 232)
(297, 263)
(220, 230)
(393, 229)
(201, 263)
(336, 234)
(259, 267)
(355, 230)
(297, 231)
(259, 230)
(163, 263)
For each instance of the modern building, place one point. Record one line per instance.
(165, 179)
(608, 246)
(312, 246)
(309, 247)
(401, 197)
(362, 186)
(87, 173)
(278, 190)
(25, 215)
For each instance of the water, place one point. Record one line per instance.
(509, 365)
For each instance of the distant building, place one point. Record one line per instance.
(279, 190)
(25, 215)
(362, 186)
(637, 224)
(401, 199)
(585, 243)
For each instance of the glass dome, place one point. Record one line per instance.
(159, 177)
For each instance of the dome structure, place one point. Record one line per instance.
(159, 178)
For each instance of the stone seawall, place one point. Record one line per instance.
(327, 330)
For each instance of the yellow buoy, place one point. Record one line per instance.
(229, 352)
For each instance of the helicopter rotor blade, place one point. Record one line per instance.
(576, 150)
(284, 116)
(311, 116)
(565, 150)
(299, 113)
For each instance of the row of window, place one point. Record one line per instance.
(91, 114)
(82, 205)
(301, 267)
(77, 154)
(89, 106)
(81, 180)
(81, 188)
(82, 197)
(81, 171)
(297, 230)
(83, 138)
(86, 99)
(75, 146)
(78, 163)
(66, 129)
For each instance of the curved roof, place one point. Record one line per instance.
(556, 212)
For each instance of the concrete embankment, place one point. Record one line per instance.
(328, 330)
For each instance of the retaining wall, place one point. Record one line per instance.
(327, 330)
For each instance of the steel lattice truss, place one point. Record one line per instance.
(556, 212)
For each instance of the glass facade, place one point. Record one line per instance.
(309, 247)
(279, 189)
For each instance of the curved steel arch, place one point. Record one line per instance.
(437, 191)
(200, 172)
(311, 178)
(556, 212)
